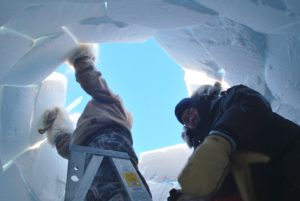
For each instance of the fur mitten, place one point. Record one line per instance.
(206, 168)
(56, 122)
(84, 49)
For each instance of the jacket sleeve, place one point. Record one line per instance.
(92, 82)
(62, 144)
(244, 114)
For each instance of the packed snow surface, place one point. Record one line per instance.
(252, 42)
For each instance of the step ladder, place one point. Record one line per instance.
(81, 175)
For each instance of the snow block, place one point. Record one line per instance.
(43, 58)
(17, 103)
(45, 172)
(51, 93)
(282, 68)
(16, 46)
(164, 164)
(13, 187)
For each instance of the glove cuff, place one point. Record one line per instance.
(225, 136)
(62, 125)
(84, 50)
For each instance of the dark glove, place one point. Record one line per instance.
(62, 145)
(174, 194)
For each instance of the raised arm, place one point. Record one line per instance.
(88, 77)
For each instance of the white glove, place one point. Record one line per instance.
(56, 122)
(206, 168)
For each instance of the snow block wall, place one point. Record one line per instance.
(251, 42)
(161, 168)
(29, 165)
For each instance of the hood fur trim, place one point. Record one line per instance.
(208, 90)
(187, 138)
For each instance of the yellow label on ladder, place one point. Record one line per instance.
(132, 179)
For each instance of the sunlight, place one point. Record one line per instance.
(193, 79)
(74, 104)
(36, 145)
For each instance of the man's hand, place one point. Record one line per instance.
(59, 128)
(48, 120)
(174, 194)
(56, 123)
(177, 195)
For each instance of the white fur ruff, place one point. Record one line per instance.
(209, 90)
(62, 125)
(186, 138)
(84, 49)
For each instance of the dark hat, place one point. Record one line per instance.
(182, 106)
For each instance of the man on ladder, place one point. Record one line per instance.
(104, 124)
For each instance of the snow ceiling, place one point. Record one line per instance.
(252, 42)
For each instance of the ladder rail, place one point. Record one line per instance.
(88, 177)
(129, 179)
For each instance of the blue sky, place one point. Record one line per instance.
(150, 84)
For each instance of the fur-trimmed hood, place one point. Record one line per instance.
(201, 99)
(208, 90)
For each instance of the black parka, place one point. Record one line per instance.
(245, 117)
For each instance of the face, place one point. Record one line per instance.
(190, 118)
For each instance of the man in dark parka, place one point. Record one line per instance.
(237, 134)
